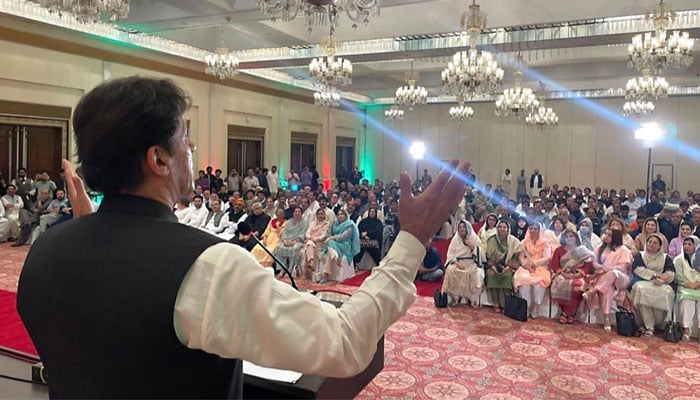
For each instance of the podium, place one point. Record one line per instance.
(315, 386)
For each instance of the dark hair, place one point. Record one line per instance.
(615, 242)
(118, 121)
(11, 185)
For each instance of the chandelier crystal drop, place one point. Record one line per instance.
(222, 63)
(645, 88)
(516, 101)
(321, 12)
(411, 94)
(88, 11)
(472, 71)
(327, 97)
(393, 112)
(637, 108)
(657, 51)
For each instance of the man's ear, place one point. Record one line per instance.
(157, 161)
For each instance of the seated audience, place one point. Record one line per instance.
(533, 276)
(341, 247)
(587, 237)
(12, 203)
(652, 294)
(570, 266)
(502, 261)
(651, 226)
(611, 275)
(318, 232)
(675, 248)
(464, 274)
(687, 268)
(270, 238)
(183, 212)
(288, 250)
(370, 229)
(489, 228)
(430, 269)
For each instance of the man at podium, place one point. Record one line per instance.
(126, 302)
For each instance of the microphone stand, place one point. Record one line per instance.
(277, 260)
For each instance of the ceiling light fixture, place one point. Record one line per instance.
(88, 11)
(657, 51)
(393, 112)
(411, 94)
(638, 108)
(645, 88)
(472, 71)
(320, 12)
(461, 112)
(516, 101)
(327, 97)
(543, 117)
(222, 63)
(331, 70)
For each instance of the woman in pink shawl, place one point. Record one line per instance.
(675, 248)
(533, 276)
(318, 232)
(612, 275)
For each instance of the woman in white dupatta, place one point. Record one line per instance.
(464, 276)
(652, 294)
(688, 280)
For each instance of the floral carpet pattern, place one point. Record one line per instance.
(466, 353)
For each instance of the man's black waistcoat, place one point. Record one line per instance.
(97, 296)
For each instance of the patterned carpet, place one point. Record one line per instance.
(465, 353)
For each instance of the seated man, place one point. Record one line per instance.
(4, 225)
(54, 211)
(12, 203)
(430, 269)
(217, 220)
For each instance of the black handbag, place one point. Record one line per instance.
(440, 299)
(516, 308)
(673, 330)
(626, 323)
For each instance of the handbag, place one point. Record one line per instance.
(440, 299)
(673, 330)
(516, 308)
(626, 323)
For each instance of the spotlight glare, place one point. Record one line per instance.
(417, 150)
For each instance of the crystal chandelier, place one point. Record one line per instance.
(637, 108)
(327, 97)
(320, 12)
(460, 112)
(393, 112)
(331, 70)
(222, 63)
(412, 94)
(543, 117)
(472, 71)
(646, 88)
(657, 51)
(88, 11)
(516, 101)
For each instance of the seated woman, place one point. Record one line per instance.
(556, 229)
(611, 275)
(688, 281)
(652, 294)
(651, 226)
(489, 228)
(292, 239)
(270, 238)
(371, 232)
(464, 276)
(587, 237)
(520, 228)
(533, 276)
(675, 248)
(318, 232)
(570, 265)
(502, 261)
(340, 248)
(616, 224)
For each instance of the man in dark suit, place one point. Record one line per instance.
(127, 302)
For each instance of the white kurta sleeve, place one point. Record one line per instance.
(229, 305)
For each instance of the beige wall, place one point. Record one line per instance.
(587, 149)
(40, 76)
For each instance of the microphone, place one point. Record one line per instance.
(244, 229)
